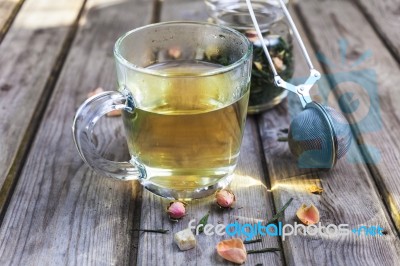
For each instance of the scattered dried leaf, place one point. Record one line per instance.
(252, 241)
(314, 189)
(263, 250)
(282, 139)
(280, 213)
(203, 221)
(160, 231)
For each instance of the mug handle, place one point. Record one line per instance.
(84, 121)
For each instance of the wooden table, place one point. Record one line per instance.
(54, 210)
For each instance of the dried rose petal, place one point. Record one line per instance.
(176, 210)
(114, 113)
(174, 52)
(100, 90)
(95, 92)
(232, 250)
(225, 198)
(308, 215)
(252, 35)
(278, 63)
(258, 65)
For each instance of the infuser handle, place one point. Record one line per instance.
(302, 90)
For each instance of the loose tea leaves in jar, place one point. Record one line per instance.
(277, 33)
(263, 89)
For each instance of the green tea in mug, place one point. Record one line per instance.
(183, 88)
(189, 136)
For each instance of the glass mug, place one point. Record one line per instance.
(183, 88)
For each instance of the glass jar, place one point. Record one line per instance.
(278, 36)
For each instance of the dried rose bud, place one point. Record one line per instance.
(232, 250)
(308, 215)
(225, 198)
(176, 210)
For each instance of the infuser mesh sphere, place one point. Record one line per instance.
(318, 136)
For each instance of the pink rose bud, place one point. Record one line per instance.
(176, 210)
(225, 198)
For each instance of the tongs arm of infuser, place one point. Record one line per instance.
(302, 90)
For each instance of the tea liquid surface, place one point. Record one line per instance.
(188, 134)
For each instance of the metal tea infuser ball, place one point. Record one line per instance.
(318, 135)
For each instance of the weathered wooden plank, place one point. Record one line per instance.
(184, 10)
(253, 198)
(61, 211)
(31, 55)
(384, 16)
(349, 197)
(253, 205)
(8, 10)
(373, 80)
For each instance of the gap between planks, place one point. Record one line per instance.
(23, 150)
(383, 24)
(7, 19)
(61, 210)
(250, 153)
(135, 235)
(156, 12)
(267, 179)
(374, 171)
(11, 179)
(291, 182)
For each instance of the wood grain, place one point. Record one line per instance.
(61, 212)
(384, 16)
(8, 11)
(253, 205)
(184, 10)
(31, 55)
(349, 197)
(376, 125)
(253, 198)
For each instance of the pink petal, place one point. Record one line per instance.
(232, 250)
(308, 215)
